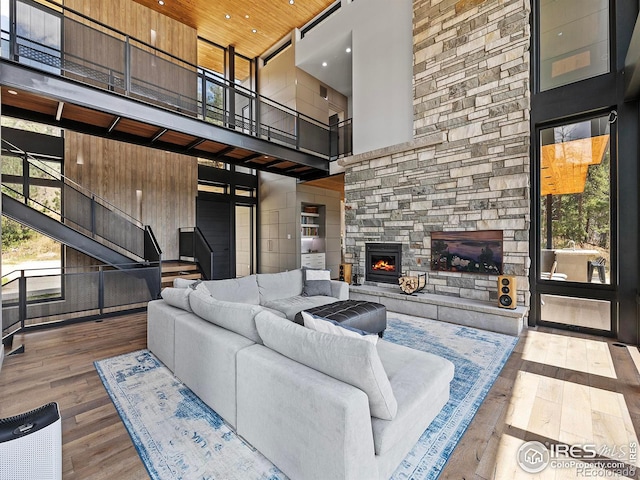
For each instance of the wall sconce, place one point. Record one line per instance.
(139, 201)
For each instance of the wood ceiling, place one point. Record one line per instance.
(272, 20)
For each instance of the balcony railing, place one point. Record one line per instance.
(95, 54)
(31, 298)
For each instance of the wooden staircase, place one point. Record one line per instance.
(178, 269)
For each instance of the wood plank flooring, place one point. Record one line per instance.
(557, 387)
(58, 366)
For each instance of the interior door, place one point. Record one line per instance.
(214, 220)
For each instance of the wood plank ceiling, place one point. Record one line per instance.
(232, 22)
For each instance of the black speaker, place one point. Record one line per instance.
(507, 295)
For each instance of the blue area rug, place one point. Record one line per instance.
(179, 437)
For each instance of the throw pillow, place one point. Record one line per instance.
(242, 290)
(233, 316)
(326, 325)
(177, 297)
(346, 359)
(182, 282)
(274, 286)
(316, 282)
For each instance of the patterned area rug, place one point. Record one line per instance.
(179, 437)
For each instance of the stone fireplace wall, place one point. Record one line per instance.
(467, 167)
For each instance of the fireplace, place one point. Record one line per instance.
(383, 262)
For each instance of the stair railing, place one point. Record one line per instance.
(80, 209)
(193, 244)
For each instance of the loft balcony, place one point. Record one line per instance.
(85, 76)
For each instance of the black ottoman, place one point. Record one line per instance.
(368, 316)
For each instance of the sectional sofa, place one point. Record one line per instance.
(318, 405)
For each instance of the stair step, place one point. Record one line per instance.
(168, 279)
(178, 267)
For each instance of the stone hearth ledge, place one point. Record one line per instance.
(461, 311)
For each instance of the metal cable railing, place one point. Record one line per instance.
(130, 67)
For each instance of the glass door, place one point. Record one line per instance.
(576, 278)
(245, 240)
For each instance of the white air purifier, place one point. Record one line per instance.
(31, 445)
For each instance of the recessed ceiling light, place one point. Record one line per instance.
(227, 16)
(291, 2)
(160, 2)
(348, 50)
(559, 34)
(246, 16)
(12, 92)
(324, 64)
(254, 30)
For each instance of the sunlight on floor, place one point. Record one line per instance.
(579, 354)
(635, 356)
(565, 412)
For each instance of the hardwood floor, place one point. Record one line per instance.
(58, 366)
(556, 387)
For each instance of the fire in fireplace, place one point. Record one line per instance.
(387, 264)
(383, 262)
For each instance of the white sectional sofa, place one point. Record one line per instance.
(318, 405)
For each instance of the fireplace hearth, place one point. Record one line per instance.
(383, 262)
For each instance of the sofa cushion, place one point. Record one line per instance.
(274, 311)
(177, 297)
(182, 282)
(420, 383)
(241, 290)
(273, 286)
(316, 282)
(327, 325)
(292, 305)
(347, 359)
(237, 317)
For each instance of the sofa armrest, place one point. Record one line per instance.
(310, 425)
(340, 290)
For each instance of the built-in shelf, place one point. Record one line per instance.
(312, 236)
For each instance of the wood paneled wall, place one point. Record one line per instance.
(143, 24)
(115, 171)
(138, 21)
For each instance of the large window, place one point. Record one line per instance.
(574, 41)
(575, 223)
(575, 202)
(38, 36)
